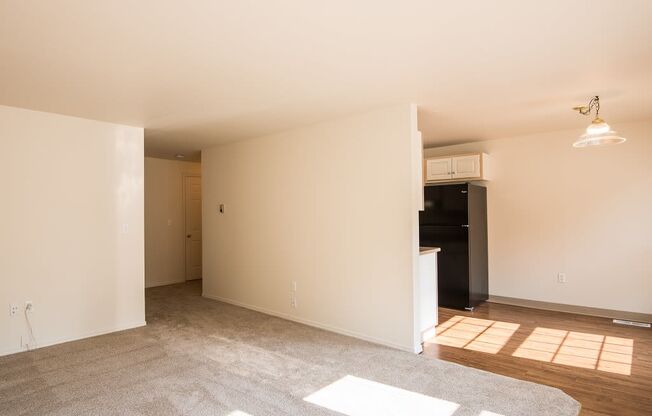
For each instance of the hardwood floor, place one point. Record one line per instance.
(606, 367)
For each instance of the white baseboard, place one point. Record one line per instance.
(75, 338)
(428, 333)
(163, 283)
(312, 323)
(580, 310)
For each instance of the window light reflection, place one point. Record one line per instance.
(354, 396)
(578, 349)
(475, 334)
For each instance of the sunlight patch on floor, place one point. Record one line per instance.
(354, 396)
(484, 335)
(578, 349)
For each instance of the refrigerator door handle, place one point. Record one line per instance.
(465, 225)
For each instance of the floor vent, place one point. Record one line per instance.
(632, 323)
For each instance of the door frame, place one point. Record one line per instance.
(184, 176)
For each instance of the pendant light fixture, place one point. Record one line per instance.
(598, 133)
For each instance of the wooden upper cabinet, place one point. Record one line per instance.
(438, 169)
(466, 167)
(455, 168)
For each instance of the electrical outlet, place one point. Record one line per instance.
(293, 300)
(29, 306)
(13, 310)
(561, 277)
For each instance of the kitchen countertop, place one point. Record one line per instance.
(428, 250)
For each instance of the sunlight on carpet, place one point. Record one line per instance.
(354, 396)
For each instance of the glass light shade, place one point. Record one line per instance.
(599, 139)
(597, 127)
(598, 134)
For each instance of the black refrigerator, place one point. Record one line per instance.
(455, 219)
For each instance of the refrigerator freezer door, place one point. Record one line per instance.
(445, 205)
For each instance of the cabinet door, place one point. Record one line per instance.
(438, 169)
(466, 167)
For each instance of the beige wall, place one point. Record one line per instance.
(71, 227)
(164, 220)
(330, 206)
(585, 212)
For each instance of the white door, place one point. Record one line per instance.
(466, 167)
(438, 169)
(192, 201)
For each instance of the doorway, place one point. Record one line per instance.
(192, 212)
(166, 210)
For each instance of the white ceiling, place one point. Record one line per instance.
(197, 73)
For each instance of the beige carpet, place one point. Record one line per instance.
(201, 357)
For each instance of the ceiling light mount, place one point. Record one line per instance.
(586, 109)
(598, 133)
